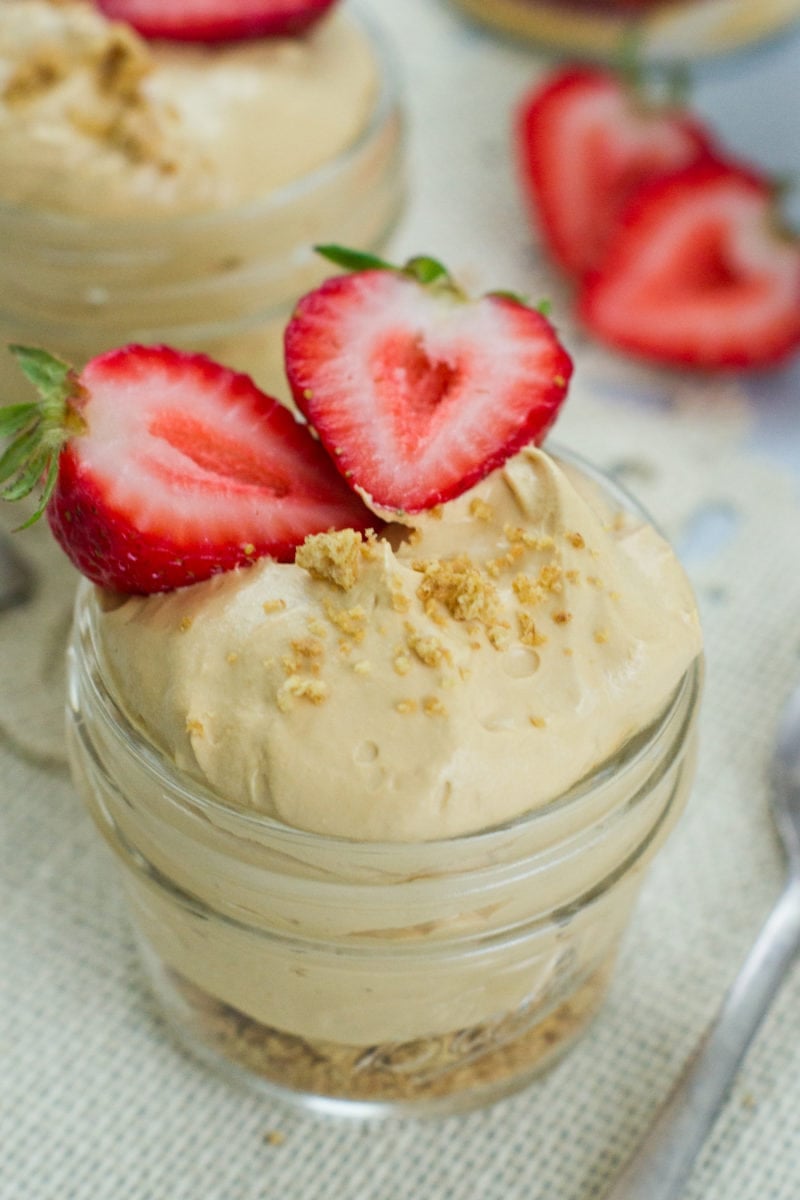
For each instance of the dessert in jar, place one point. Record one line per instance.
(384, 781)
(169, 191)
(667, 29)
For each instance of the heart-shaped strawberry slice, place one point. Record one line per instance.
(585, 140)
(216, 20)
(699, 273)
(163, 468)
(416, 391)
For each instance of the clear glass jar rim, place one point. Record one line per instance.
(185, 789)
(277, 199)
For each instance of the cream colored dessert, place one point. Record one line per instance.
(94, 120)
(167, 193)
(677, 29)
(450, 675)
(507, 645)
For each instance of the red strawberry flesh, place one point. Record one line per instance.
(186, 469)
(417, 393)
(698, 275)
(584, 145)
(217, 20)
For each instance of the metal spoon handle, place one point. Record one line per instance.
(663, 1162)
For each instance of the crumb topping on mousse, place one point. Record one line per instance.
(518, 638)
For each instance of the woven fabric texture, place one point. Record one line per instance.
(96, 1103)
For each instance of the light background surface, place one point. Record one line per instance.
(95, 1101)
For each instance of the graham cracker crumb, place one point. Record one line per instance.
(576, 540)
(465, 1058)
(232, 658)
(531, 541)
(350, 620)
(309, 647)
(480, 510)
(401, 663)
(459, 587)
(572, 576)
(527, 590)
(185, 624)
(316, 627)
(562, 617)
(601, 636)
(400, 601)
(45, 68)
(195, 726)
(122, 63)
(273, 606)
(528, 633)
(429, 650)
(499, 635)
(538, 722)
(274, 1137)
(362, 667)
(297, 687)
(433, 707)
(332, 557)
(437, 512)
(406, 706)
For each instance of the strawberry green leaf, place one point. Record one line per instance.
(17, 454)
(353, 260)
(28, 477)
(16, 417)
(51, 377)
(48, 488)
(425, 269)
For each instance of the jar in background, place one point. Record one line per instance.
(222, 282)
(665, 29)
(371, 977)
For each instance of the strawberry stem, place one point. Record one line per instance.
(39, 430)
(353, 260)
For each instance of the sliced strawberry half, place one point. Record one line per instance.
(700, 273)
(416, 391)
(585, 141)
(163, 468)
(217, 20)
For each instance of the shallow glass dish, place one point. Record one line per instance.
(375, 978)
(222, 282)
(665, 29)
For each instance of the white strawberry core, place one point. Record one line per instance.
(430, 384)
(190, 455)
(713, 271)
(612, 149)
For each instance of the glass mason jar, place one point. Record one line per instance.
(365, 977)
(222, 282)
(666, 29)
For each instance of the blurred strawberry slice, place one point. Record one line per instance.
(700, 273)
(216, 20)
(585, 141)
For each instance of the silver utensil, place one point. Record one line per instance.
(662, 1164)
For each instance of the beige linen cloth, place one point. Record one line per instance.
(96, 1103)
